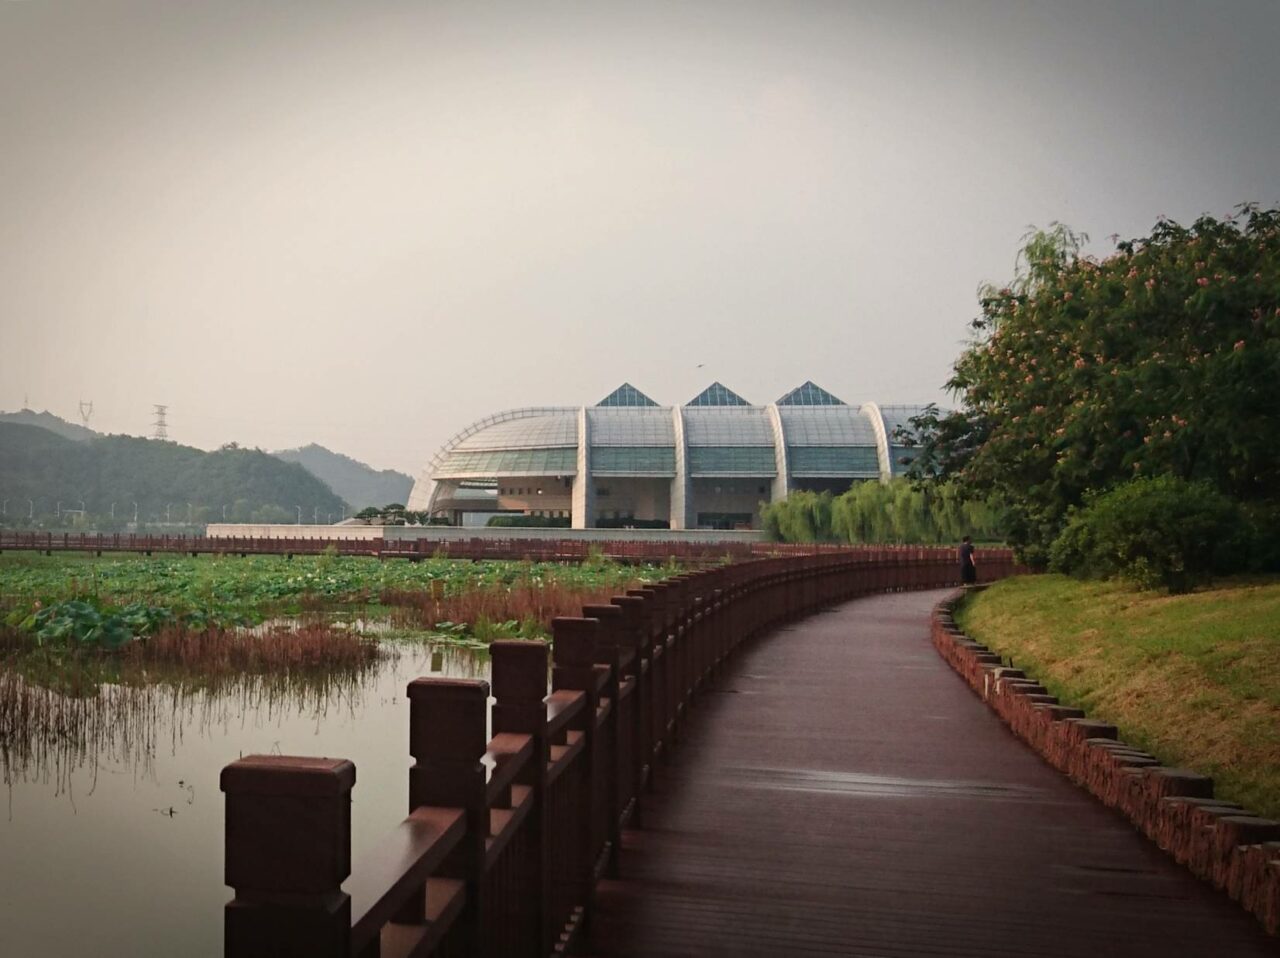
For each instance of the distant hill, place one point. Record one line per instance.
(252, 485)
(47, 420)
(358, 484)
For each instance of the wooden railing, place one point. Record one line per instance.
(518, 810)
(474, 548)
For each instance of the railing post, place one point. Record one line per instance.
(615, 647)
(575, 654)
(634, 627)
(655, 623)
(447, 739)
(519, 672)
(288, 850)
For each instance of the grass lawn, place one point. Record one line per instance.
(1193, 679)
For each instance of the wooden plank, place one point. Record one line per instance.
(506, 756)
(504, 822)
(562, 707)
(383, 880)
(839, 791)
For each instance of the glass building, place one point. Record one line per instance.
(627, 460)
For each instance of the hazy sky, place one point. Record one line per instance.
(368, 224)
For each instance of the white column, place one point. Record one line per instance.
(782, 481)
(681, 490)
(872, 412)
(584, 493)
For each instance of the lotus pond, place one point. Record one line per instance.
(127, 683)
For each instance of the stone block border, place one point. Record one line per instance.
(1219, 841)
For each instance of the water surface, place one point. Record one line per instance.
(114, 847)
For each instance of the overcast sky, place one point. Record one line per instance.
(368, 224)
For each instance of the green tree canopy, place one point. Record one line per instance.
(1161, 359)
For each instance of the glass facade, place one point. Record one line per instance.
(732, 461)
(897, 455)
(633, 460)
(717, 441)
(497, 462)
(833, 460)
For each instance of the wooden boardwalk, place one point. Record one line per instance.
(840, 791)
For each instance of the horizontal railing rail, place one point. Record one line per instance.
(518, 809)
(415, 549)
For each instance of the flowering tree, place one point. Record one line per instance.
(1162, 359)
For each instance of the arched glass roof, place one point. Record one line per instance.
(826, 426)
(544, 430)
(727, 426)
(647, 426)
(896, 417)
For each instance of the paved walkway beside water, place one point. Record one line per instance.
(840, 791)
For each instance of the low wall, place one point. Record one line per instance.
(1219, 841)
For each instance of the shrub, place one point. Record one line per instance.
(1160, 532)
(1262, 528)
(527, 522)
(801, 517)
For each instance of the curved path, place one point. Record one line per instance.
(841, 792)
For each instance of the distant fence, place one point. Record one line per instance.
(488, 547)
(516, 812)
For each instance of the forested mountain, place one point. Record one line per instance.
(47, 420)
(41, 468)
(358, 484)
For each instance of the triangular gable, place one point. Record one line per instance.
(717, 395)
(810, 395)
(626, 395)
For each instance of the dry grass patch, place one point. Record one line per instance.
(1194, 679)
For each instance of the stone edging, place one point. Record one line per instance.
(1218, 841)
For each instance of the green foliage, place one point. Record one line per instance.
(608, 522)
(91, 623)
(1158, 532)
(273, 584)
(1161, 359)
(801, 517)
(1194, 679)
(355, 482)
(528, 522)
(896, 512)
(37, 464)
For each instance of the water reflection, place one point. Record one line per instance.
(114, 808)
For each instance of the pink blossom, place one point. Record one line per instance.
(1202, 281)
(1239, 345)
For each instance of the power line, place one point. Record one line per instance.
(162, 426)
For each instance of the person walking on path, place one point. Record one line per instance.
(968, 570)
